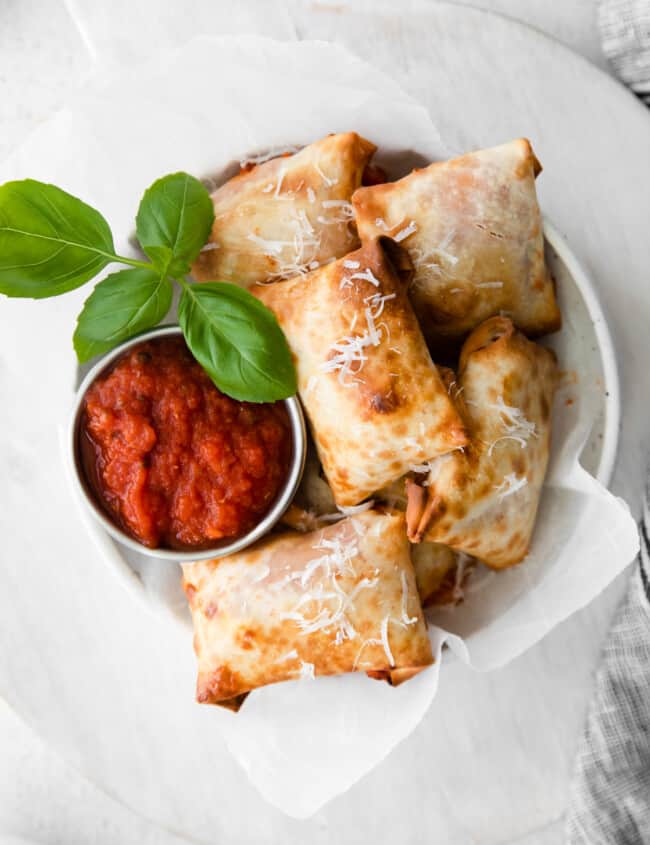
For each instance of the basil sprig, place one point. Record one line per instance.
(52, 242)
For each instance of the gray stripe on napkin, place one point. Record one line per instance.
(610, 796)
(625, 33)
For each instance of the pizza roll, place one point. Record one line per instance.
(484, 500)
(374, 399)
(341, 599)
(473, 230)
(287, 215)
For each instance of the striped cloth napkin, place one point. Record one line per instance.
(610, 795)
(625, 33)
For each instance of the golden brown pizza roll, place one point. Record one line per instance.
(287, 215)
(433, 563)
(483, 500)
(373, 397)
(341, 599)
(473, 230)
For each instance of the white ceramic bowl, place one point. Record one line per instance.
(226, 546)
(592, 347)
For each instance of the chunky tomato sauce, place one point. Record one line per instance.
(175, 462)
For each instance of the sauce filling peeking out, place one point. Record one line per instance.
(173, 461)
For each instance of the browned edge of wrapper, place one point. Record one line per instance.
(487, 333)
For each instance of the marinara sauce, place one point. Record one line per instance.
(173, 461)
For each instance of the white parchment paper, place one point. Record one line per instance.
(198, 108)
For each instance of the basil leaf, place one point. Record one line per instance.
(238, 342)
(121, 305)
(174, 222)
(87, 348)
(50, 241)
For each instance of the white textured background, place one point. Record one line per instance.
(43, 59)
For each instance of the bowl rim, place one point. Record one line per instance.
(606, 349)
(282, 501)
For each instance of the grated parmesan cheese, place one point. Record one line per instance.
(364, 644)
(210, 246)
(413, 443)
(368, 276)
(307, 670)
(312, 381)
(384, 640)
(293, 257)
(319, 584)
(351, 265)
(262, 574)
(345, 209)
(278, 186)
(352, 510)
(515, 424)
(328, 182)
(426, 259)
(274, 152)
(350, 356)
(346, 214)
(433, 468)
(376, 303)
(405, 618)
(406, 232)
(349, 510)
(290, 655)
(311, 196)
(267, 246)
(326, 619)
(510, 484)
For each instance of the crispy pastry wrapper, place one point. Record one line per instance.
(484, 500)
(336, 600)
(434, 563)
(473, 229)
(286, 215)
(374, 399)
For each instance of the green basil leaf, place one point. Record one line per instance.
(238, 342)
(122, 305)
(50, 241)
(87, 348)
(174, 222)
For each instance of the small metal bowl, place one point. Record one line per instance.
(226, 546)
